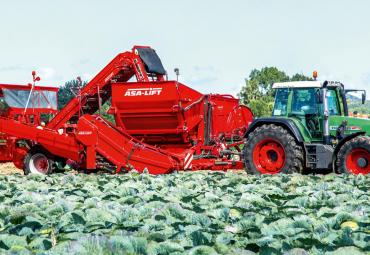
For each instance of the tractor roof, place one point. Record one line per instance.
(304, 84)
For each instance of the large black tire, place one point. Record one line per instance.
(354, 156)
(280, 148)
(38, 162)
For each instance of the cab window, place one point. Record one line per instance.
(332, 103)
(281, 102)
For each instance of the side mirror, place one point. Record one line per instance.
(364, 97)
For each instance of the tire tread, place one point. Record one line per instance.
(357, 142)
(295, 159)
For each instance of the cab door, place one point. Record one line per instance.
(335, 111)
(306, 108)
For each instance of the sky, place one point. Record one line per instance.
(215, 44)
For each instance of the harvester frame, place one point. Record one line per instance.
(161, 125)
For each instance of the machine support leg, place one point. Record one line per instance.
(90, 157)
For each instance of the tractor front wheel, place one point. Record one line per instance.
(354, 156)
(38, 162)
(270, 149)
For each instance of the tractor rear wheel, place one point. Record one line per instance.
(354, 156)
(38, 162)
(271, 149)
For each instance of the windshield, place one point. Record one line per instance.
(39, 99)
(304, 101)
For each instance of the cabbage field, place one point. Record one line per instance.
(184, 213)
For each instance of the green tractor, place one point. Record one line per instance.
(310, 131)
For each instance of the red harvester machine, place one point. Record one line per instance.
(17, 102)
(161, 125)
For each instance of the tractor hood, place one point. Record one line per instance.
(354, 125)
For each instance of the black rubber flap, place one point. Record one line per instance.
(152, 62)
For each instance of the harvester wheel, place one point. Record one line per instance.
(354, 156)
(271, 149)
(38, 162)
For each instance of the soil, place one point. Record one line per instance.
(9, 168)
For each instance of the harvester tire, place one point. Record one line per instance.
(38, 162)
(354, 156)
(271, 149)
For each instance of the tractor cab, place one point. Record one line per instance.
(300, 102)
(311, 103)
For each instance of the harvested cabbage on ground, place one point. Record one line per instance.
(184, 213)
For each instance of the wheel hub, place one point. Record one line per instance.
(273, 155)
(357, 161)
(39, 164)
(362, 162)
(269, 156)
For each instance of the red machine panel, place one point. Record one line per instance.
(153, 110)
(164, 113)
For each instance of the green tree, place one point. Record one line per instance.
(300, 77)
(71, 89)
(258, 94)
(68, 91)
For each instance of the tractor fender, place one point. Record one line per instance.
(286, 123)
(342, 142)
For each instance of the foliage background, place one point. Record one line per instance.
(259, 96)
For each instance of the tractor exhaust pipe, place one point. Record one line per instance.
(326, 131)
